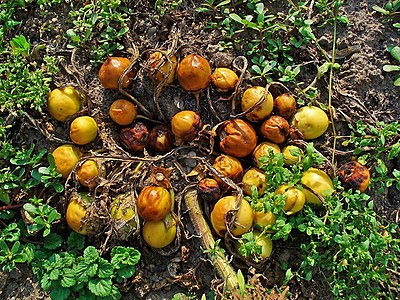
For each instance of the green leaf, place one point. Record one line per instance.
(380, 9)
(59, 293)
(100, 287)
(76, 240)
(15, 247)
(30, 208)
(391, 68)
(395, 52)
(124, 256)
(54, 274)
(69, 278)
(126, 272)
(52, 241)
(90, 254)
(397, 81)
(105, 270)
(236, 18)
(241, 282)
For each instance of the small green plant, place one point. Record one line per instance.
(67, 275)
(103, 20)
(395, 52)
(375, 145)
(11, 249)
(42, 216)
(350, 245)
(163, 6)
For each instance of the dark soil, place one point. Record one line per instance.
(362, 91)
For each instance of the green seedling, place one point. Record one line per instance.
(395, 52)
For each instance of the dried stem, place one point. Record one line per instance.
(207, 239)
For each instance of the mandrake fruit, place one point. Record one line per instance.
(64, 102)
(65, 158)
(275, 129)
(243, 216)
(250, 97)
(83, 130)
(186, 124)
(160, 67)
(224, 79)
(123, 112)
(154, 203)
(354, 175)
(237, 138)
(111, 71)
(311, 121)
(319, 182)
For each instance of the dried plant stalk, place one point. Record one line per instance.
(207, 239)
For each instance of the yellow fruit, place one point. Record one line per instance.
(76, 212)
(224, 79)
(250, 97)
(319, 182)
(158, 234)
(254, 177)
(163, 70)
(295, 199)
(83, 130)
(292, 155)
(64, 102)
(265, 243)
(311, 121)
(243, 219)
(65, 158)
(123, 213)
(264, 149)
(263, 219)
(87, 172)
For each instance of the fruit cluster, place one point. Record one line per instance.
(270, 122)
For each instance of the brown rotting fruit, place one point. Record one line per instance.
(237, 138)
(135, 138)
(154, 203)
(275, 129)
(354, 175)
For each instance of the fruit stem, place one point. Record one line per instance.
(207, 239)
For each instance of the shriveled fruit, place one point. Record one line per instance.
(159, 234)
(123, 213)
(75, 213)
(209, 190)
(224, 79)
(87, 172)
(250, 97)
(237, 138)
(285, 105)
(264, 149)
(111, 71)
(311, 121)
(83, 130)
(319, 182)
(354, 175)
(254, 177)
(136, 137)
(276, 129)
(65, 158)
(161, 67)
(186, 124)
(292, 155)
(154, 203)
(64, 102)
(161, 138)
(243, 217)
(123, 112)
(229, 167)
(194, 73)
(295, 199)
